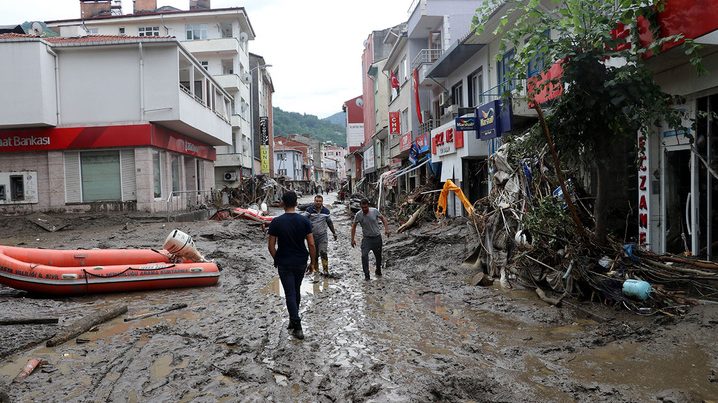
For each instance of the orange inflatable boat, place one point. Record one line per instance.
(254, 215)
(73, 272)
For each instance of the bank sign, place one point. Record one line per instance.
(18, 141)
(494, 119)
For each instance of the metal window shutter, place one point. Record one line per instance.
(129, 180)
(73, 181)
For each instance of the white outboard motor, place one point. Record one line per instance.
(180, 244)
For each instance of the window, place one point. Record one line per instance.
(476, 88)
(205, 64)
(122, 30)
(404, 120)
(457, 94)
(403, 71)
(175, 174)
(196, 31)
(149, 31)
(3, 197)
(282, 172)
(157, 173)
(100, 173)
(282, 156)
(503, 69)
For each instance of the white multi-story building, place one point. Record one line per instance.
(106, 123)
(216, 38)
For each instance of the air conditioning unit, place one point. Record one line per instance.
(230, 176)
(444, 99)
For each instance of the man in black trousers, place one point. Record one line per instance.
(289, 231)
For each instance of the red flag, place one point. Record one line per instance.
(394, 80)
(415, 79)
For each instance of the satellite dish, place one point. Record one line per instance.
(37, 28)
(243, 37)
(246, 78)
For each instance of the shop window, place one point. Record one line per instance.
(157, 173)
(175, 174)
(2, 193)
(100, 172)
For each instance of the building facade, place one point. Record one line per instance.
(216, 38)
(98, 123)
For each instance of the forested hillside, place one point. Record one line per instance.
(296, 123)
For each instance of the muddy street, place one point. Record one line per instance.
(419, 333)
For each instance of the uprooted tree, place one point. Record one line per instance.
(609, 94)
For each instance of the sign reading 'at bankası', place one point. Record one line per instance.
(87, 138)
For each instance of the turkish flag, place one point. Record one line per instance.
(394, 81)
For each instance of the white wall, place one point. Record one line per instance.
(27, 74)
(99, 86)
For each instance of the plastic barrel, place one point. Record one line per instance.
(637, 289)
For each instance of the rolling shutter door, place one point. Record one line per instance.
(73, 182)
(129, 179)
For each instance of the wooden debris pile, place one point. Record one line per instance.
(526, 233)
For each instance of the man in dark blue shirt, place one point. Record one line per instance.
(289, 231)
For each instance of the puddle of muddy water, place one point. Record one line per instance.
(683, 366)
(308, 287)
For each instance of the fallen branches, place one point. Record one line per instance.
(27, 321)
(170, 308)
(85, 324)
(412, 219)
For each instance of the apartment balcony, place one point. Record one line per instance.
(229, 82)
(425, 16)
(216, 47)
(228, 160)
(196, 120)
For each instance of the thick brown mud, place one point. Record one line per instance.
(419, 333)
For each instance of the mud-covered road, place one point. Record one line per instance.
(419, 333)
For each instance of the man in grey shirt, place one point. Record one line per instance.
(368, 218)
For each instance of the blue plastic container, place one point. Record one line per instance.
(637, 289)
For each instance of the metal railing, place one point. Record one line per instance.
(426, 56)
(515, 87)
(188, 200)
(428, 125)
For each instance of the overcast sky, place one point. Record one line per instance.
(314, 46)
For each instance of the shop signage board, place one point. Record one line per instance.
(405, 142)
(444, 143)
(643, 191)
(86, 138)
(369, 158)
(394, 123)
(264, 144)
(494, 119)
(264, 158)
(423, 142)
(465, 124)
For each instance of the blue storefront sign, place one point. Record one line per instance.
(465, 124)
(494, 119)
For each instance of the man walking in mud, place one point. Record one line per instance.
(289, 231)
(320, 219)
(368, 218)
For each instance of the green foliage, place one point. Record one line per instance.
(548, 217)
(609, 91)
(296, 123)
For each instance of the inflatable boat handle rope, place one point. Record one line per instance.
(124, 271)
